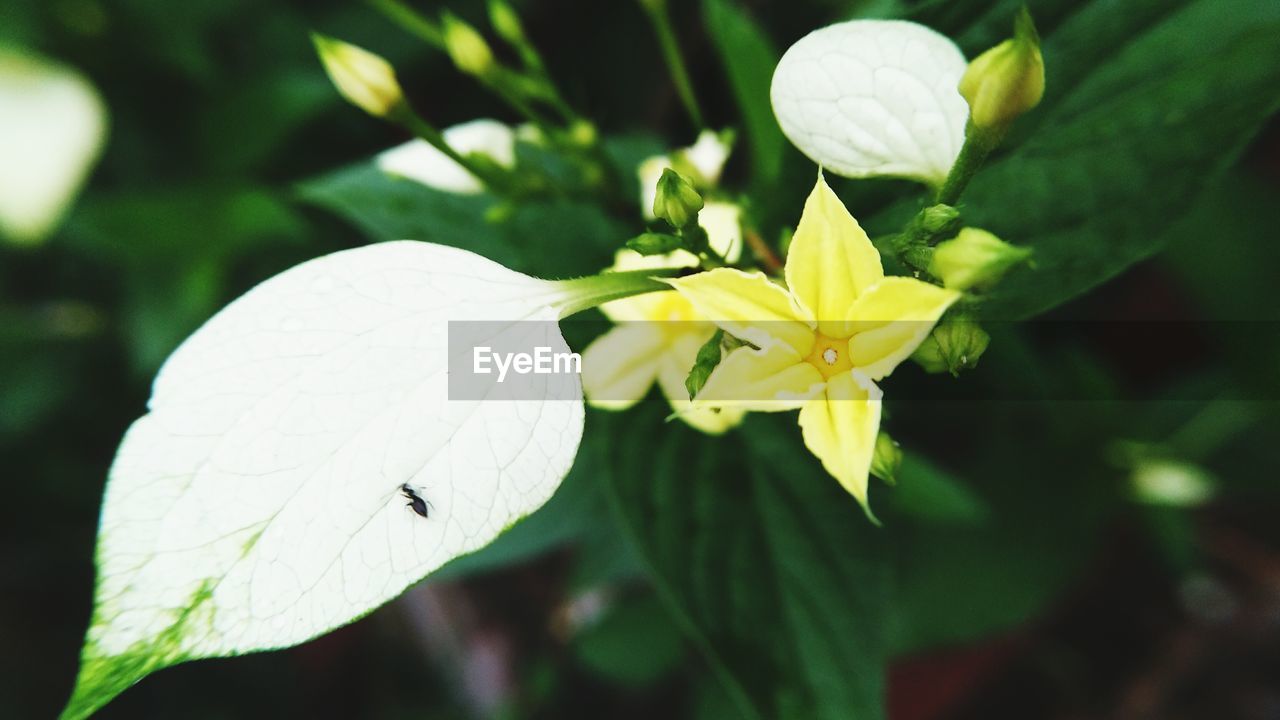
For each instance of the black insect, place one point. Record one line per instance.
(416, 501)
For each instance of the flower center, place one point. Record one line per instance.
(673, 314)
(830, 355)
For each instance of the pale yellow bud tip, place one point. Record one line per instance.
(466, 47)
(506, 21)
(1007, 80)
(364, 79)
(975, 259)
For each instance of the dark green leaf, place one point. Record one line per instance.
(748, 56)
(767, 564)
(635, 644)
(929, 493)
(549, 239)
(1129, 146)
(707, 359)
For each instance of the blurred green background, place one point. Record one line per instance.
(1017, 574)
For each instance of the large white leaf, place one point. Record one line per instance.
(873, 97)
(258, 502)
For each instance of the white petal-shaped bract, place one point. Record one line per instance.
(874, 98)
(418, 160)
(258, 503)
(52, 126)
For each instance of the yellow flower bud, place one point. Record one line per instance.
(974, 258)
(364, 79)
(506, 21)
(676, 201)
(468, 49)
(1007, 80)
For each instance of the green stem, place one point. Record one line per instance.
(978, 144)
(588, 292)
(661, 19)
(407, 118)
(411, 20)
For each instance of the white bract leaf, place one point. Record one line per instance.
(874, 98)
(52, 125)
(258, 503)
(418, 160)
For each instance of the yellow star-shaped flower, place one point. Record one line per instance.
(658, 335)
(821, 342)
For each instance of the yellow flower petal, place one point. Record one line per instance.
(672, 371)
(619, 367)
(770, 379)
(891, 319)
(840, 428)
(831, 261)
(643, 307)
(747, 306)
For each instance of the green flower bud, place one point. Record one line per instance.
(928, 356)
(506, 22)
(582, 133)
(929, 226)
(469, 51)
(676, 201)
(887, 459)
(939, 220)
(364, 79)
(655, 243)
(974, 259)
(954, 345)
(1007, 80)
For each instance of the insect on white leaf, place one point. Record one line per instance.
(260, 501)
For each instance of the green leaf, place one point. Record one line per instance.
(634, 644)
(748, 56)
(386, 207)
(704, 362)
(830, 570)
(548, 239)
(765, 562)
(1115, 160)
(174, 248)
(927, 492)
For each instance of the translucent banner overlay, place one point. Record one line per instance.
(1141, 361)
